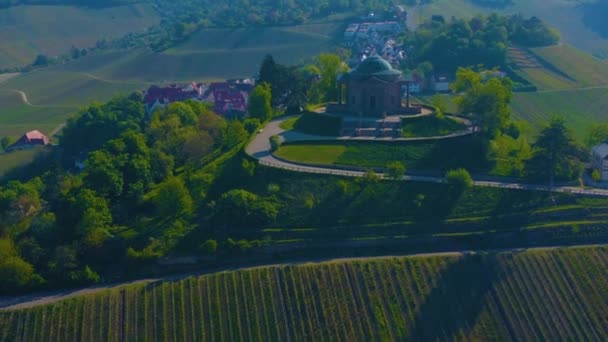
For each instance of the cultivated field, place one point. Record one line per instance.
(26, 31)
(533, 295)
(226, 53)
(580, 108)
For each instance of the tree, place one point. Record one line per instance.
(459, 178)
(395, 170)
(597, 134)
(209, 247)
(243, 208)
(41, 60)
(5, 142)
(275, 143)
(555, 154)
(488, 103)
(173, 199)
(328, 66)
(16, 274)
(260, 102)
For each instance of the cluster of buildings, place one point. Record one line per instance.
(371, 38)
(229, 98)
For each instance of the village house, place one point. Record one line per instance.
(440, 83)
(229, 99)
(29, 140)
(599, 160)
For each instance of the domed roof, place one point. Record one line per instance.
(375, 66)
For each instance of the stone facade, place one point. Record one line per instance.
(374, 89)
(373, 97)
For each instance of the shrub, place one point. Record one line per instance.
(459, 178)
(395, 170)
(209, 247)
(596, 176)
(275, 143)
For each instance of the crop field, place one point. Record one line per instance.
(585, 69)
(533, 295)
(438, 155)
(63, 27)
(10, 161)
(580, 108)
(226, 53)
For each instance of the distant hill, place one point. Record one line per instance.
(26, 31)
(581, 23)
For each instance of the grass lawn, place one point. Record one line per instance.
(421, 156)
(430, 125)
(314, 123)
(9, 161)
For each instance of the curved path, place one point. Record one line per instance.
(260, 149)
(33, 300)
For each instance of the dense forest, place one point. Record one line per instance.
(482, 40)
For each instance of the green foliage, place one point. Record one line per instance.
(16, 274)
(327, 67)
(275, 143)
(395, 170)
(488, 103)
(596, 175)
(209, 247)
(597, 134)
(317, 124)
(245, 209)
(172, 199)
(450, 44)
(459, 178)
(5, 142)
(260, 102)
(555, 154)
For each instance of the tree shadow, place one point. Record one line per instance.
(454, 305)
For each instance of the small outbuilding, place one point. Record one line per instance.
(599, 160)
(29, 140)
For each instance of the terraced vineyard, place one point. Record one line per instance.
(533, 295)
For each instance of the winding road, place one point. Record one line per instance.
(260, 149)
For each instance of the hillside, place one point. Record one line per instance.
(528, 295)
(226, 53)
(574, 19)
(26, 31)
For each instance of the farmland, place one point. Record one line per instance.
(581, 108)
(21, 27)
(530, 295)
(226, 53)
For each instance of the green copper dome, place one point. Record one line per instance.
(375, 66)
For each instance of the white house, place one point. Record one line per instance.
(441, 84)
(599, 160)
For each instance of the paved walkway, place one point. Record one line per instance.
(260, 149)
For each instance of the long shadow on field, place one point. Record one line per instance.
(455, 304)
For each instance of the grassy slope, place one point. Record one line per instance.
(26, 31)
(544, 295)
(441, 155)
(226, 53)
(580, 108)
(428, 126)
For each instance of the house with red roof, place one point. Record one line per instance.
(30, 140)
